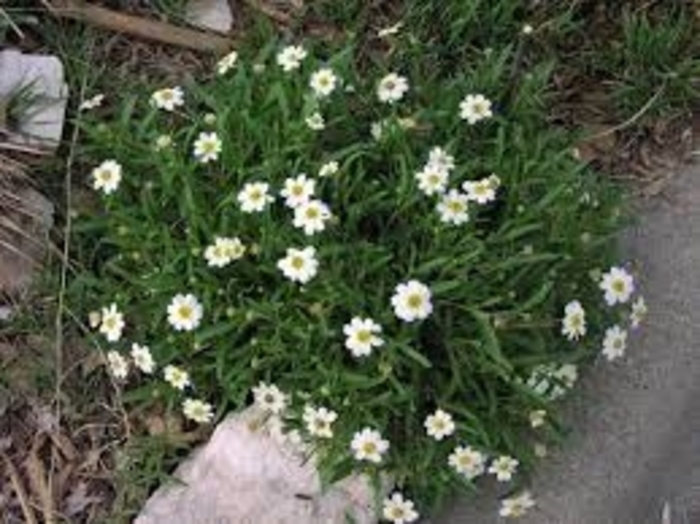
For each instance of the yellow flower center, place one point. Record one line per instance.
(397, 513)
(167, 95)
(256, 194)
(455, 206)
(104, 175)
(433, 179)
(312, 213)
(184, 312)
(414, 301)
(369, 448)
(110, 322)
(364, 336)
(297, 190)
(618, 286)
(297, 262)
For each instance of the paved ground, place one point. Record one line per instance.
(636, 439)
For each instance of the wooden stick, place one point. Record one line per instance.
(138, 26)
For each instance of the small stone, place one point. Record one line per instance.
(210, 14)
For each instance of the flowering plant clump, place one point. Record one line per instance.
(406, 272)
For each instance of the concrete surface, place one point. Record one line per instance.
(636, 422)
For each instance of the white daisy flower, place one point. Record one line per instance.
(614, 343)
(567, 374)
(207, 147)
(503, 467)
(392, 88)
(185, 312)
(319, 421)
(91, 103)
(442, 159)
(311, 216)
(168, 98)
(480, 191)
(368, 445)
(361, 336)
(574, 321)
(107, 176)
(163, 142)
(226, 63)
(618, 286)
(300, 265)
(176, 377)
(254, 197)
(224, 251)
(118, 365)
(453, 208)
(291, 57)
(328, 169)
(298, 190)
(467, 461)
(269, 397)
(399, 510)
(197, 411)
(639, 312)
(432, 179)
(411, 301)
(516, 506)
(474, 108)
(527, 29)
(142, 358)
(210, 119)
(315, 121)
(537, 418)
(439, 425)
(323, 82)
(112, 323)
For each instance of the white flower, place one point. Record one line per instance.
(311, 216)
(319, 420)
(300, 265)
(291, 57)
(176, 377)
(399, 510)
(503, 467)
(567, 374)
(537, 417)
(475, 108)
(142, 358)
(328, 169)
(369, 445)
(453, 208)
(618, 286)
(107, 176)
(118, 365)
(254, 197)
(411, 301)
(467, 461)
(269, 397)
(185, 312)
(168, 98)
(432, 179)
(298, 190)
(377, 129)
(516, 506)
(614, 343)
(91, 103)
(392, 88)
(163, 142)
(315, 121)
(224, 251)
(112, 323)
(639, 312)
(226, 63)
(210, 119)
(527, 29)
(207, 147)
(94, 319)
(323, 82)
(361, 336)
(442, 159)
(574, 321)
(439, 425)
(197, 411)
(480, 191)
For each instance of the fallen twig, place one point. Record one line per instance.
(138, 26)
(27, 512)
(268, 10)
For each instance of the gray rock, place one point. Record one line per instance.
(210, 14)
(633, 456)
(41, 124)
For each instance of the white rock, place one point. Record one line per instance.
(251, 474)
(42, 125)
(210, 14)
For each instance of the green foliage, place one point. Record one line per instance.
(499, 282)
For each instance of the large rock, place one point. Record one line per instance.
(210, 14)
(249, 472)
(41, 124)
